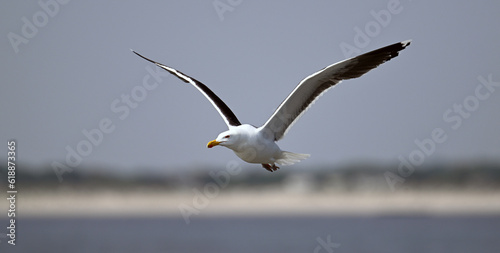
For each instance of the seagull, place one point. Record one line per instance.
(258, 144)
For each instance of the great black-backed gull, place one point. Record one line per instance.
(258, 144)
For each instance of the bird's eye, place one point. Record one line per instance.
(227, 136)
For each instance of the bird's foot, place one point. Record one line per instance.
(270, 167)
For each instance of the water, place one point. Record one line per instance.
(258, 234)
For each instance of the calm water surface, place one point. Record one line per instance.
(391, 234)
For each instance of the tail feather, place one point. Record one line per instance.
(289, 158)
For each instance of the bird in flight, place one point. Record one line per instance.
(258, 144)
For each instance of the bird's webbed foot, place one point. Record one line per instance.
(270, 167)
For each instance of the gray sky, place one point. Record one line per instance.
(72, 72)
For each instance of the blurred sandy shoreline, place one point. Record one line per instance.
(268, 202)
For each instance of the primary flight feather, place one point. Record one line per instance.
(258, 145)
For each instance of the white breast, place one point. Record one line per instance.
(253, 147)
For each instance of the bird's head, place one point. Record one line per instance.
(226, 139)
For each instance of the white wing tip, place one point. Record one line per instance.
(406, 43)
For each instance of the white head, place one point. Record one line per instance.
(226, 139)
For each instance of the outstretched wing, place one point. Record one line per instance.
(222, 108)
(309, 89)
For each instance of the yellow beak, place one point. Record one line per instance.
(212, 144)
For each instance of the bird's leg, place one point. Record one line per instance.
(270, 167)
